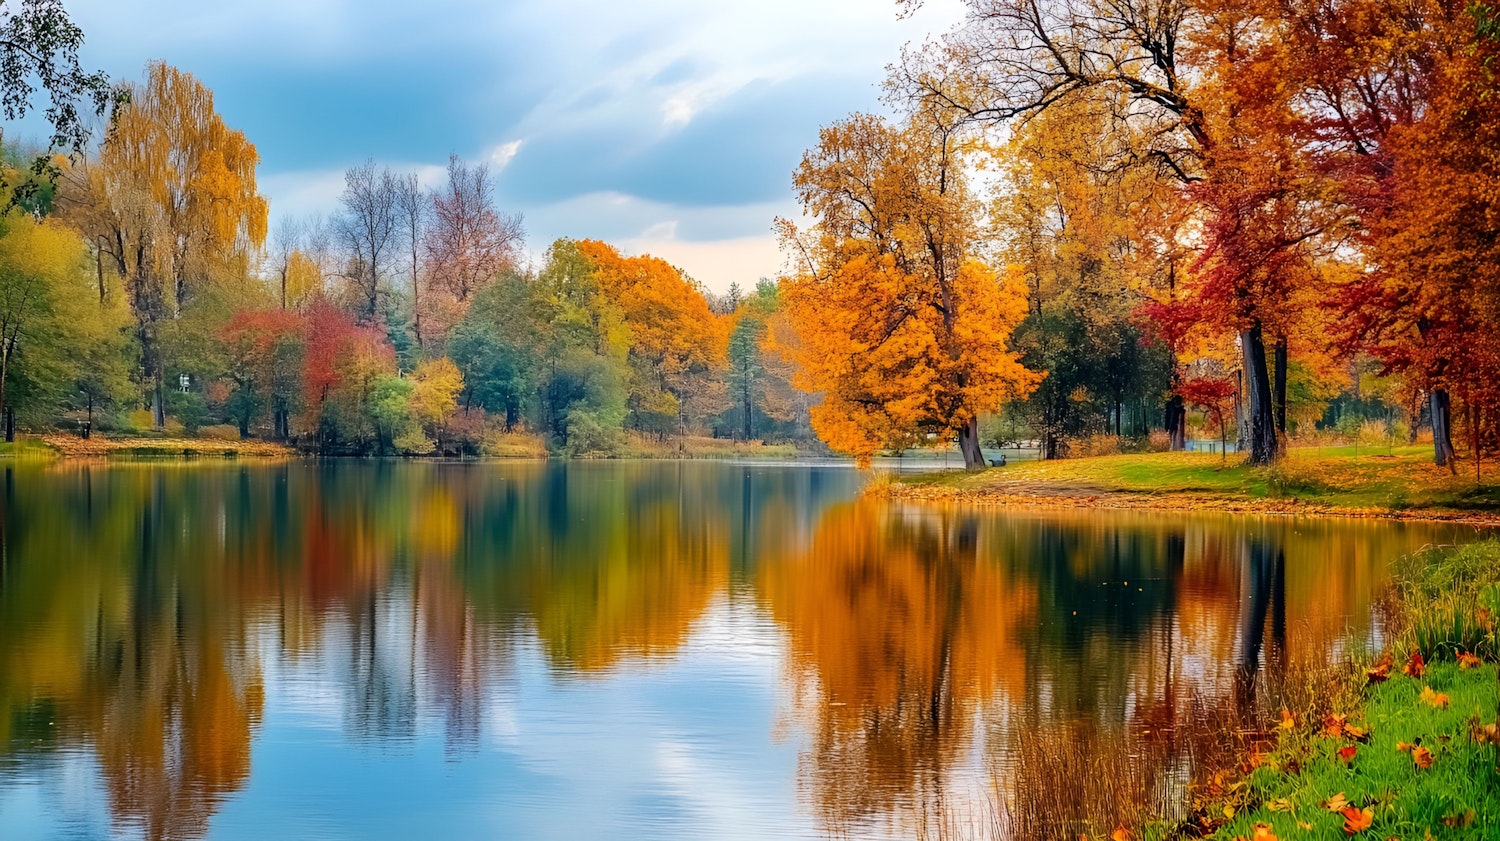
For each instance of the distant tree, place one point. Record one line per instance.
(171, 204)
(497, 346)
(468, 242)
(368, 227)
(413, 209)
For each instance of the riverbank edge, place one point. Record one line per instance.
(54, 447)
(1179, 502)
(1401, 742)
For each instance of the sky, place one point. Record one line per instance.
(669, 127)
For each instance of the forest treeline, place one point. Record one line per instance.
(141, 289)
(1078, 219)
(1112, 216)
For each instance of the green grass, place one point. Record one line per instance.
(1408, 801)
(1404, 479)
(1458, 796)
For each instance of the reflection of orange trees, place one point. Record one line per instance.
(898, 634)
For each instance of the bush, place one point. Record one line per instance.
(1093, 445)
(1446, 597)
(413, 442)
(587, 436)
(140, 420)
(189, 408)
(1158, 441)
(220, 432)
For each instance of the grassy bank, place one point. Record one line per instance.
(689, 446)
(99, 446)
(1310, 480)
(1406, 747)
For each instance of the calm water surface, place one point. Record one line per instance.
(624, 650)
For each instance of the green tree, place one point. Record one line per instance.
(497, 347)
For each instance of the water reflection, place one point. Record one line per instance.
(931, 670)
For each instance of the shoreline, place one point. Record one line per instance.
(1086, 498)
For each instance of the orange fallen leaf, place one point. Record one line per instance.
(1404, 747)
(1422, 756)
(1336, 803)
(1357, 820)
(1333, 725)
(1434, 699)
(1346, 754)
(1415, 665)
(1381, 671)
(1358, 734)
(1263, 832)
(1467, 660)
(1287, 721)
(1122, 834)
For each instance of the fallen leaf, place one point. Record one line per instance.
(1458, 819)
(1333, 725)
(1404, 747)
(1262, 832)
(1381, 671)
(1336, 803)
(1287, 722)
(1434, 699)
(1346, 754)
(1357, 820)
(1280, 804)
(1122, 834)
(1422, 756)
(1467, 660)
(1358, 734)
(1415, 666)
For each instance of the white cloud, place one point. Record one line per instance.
(503, 154)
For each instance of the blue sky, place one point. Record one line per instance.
(665, 126)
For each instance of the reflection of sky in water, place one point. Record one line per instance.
(619, 651)
(678, 747)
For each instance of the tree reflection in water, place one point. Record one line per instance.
(946, 672)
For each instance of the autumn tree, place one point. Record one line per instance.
(900, 325)
(265, 349)
(498, 346)
(1196, 88)
(677, 345)
(469, 241)
(171, 204)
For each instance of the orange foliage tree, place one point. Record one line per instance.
(899, 324)
(678, 347)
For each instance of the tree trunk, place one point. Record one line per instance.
(1280, 395)
(968, 444)
(1258, 387)
(1177, 423)
(1442, 430)
(4, 370)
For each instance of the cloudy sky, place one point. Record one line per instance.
(665, 126)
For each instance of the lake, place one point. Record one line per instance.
(629, 650)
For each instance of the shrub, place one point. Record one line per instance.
(220, 432)
(141, 420)
(1158, 441)
(1093, 445)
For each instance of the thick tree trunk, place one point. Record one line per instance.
(968, 444)
(1442, 429)
(1177, 423)
(1262, 439)
(1280, 394)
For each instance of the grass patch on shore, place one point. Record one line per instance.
(1402, 479)
(1413, 753)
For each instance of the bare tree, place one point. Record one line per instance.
(286, 241)
(412, 211)
(368, 227)
(469, 240)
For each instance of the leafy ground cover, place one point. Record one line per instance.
(1399, 481)
(1408, 748)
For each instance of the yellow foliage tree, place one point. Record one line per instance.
(171, 203)
(898, 323)
(678, 347)
(434, 395)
